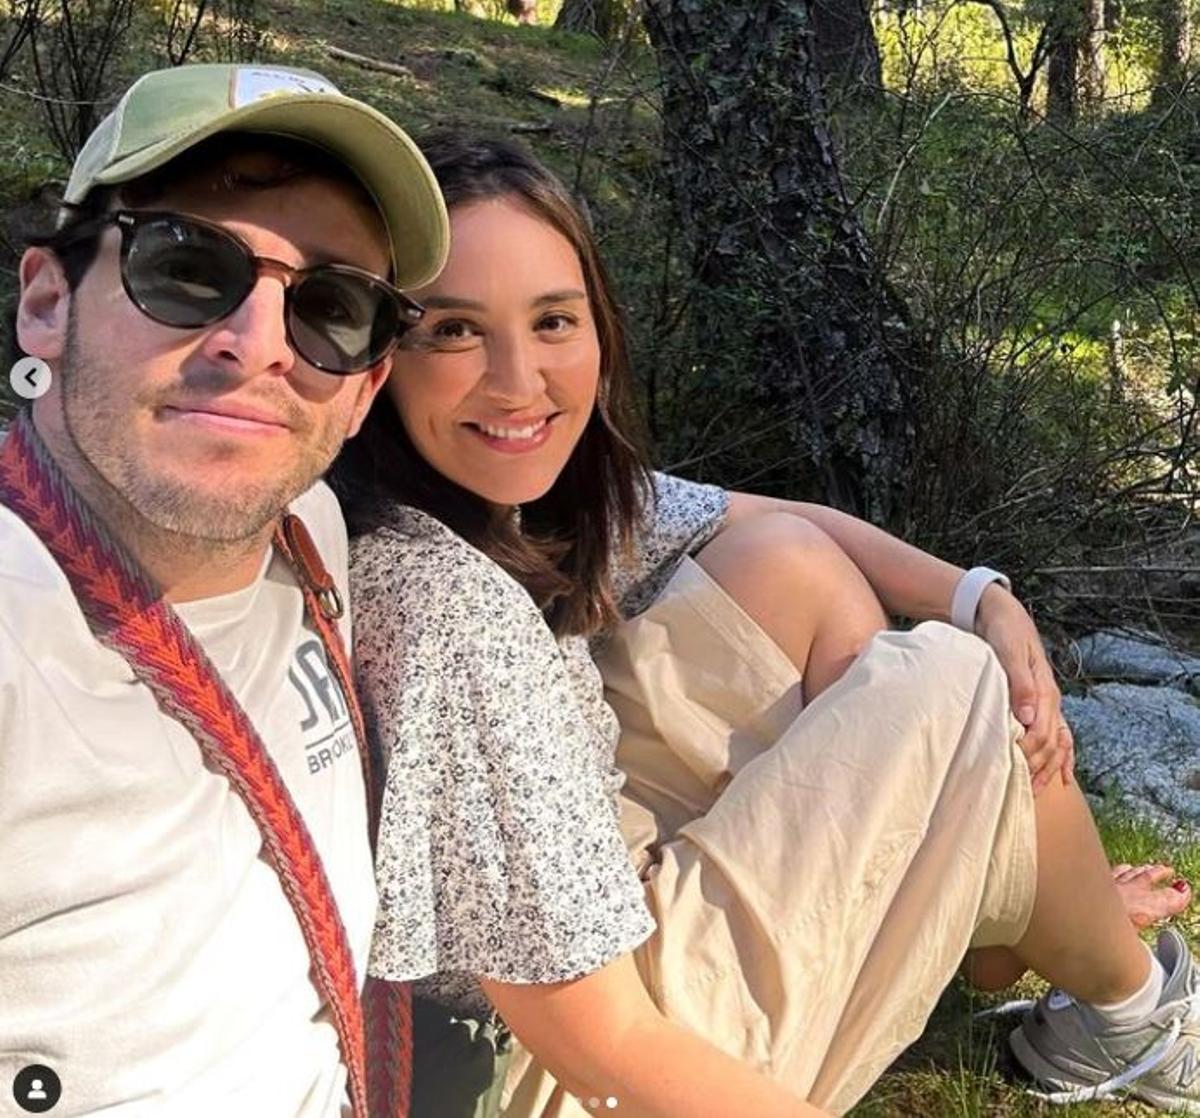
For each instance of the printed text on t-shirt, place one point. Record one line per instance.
(326, 728)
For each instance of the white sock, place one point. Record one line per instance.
(1139, 1005)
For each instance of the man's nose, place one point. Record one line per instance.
(253, 336)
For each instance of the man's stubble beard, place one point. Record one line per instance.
(136, 492)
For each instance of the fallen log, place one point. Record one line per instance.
(393, 68)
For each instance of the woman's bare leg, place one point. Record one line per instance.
(1150, 894)
(1079, 936)
(801, 589)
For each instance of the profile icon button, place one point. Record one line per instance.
(36, 1088)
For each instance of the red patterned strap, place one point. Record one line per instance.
(127, 613)
(387, 1005)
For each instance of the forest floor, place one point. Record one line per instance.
(556, 91)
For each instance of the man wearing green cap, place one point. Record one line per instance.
(187, 889)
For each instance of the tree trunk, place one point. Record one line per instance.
(1062, 77)
(788, 301)
(601, 18)
(23, 18)
(1076, 71)
(847, 50)
(1175, 24)
(1092, 70)
(72, 58)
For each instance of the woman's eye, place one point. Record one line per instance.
(556, 323)
(449, 335)
(454, 334)
(452, 330)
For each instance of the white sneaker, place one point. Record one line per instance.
(1157, 1060)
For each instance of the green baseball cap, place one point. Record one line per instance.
(168, 111)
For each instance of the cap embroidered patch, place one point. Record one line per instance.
(252, 83)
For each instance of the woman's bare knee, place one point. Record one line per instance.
(800, 588)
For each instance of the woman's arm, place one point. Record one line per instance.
(601, 1036)
(911, 582)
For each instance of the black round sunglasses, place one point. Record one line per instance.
(186, 272)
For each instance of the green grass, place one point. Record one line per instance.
(465, 72)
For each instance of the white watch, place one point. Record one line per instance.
(970, 588)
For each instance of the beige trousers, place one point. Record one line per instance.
(816, 875)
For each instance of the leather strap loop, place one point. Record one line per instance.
(306, 560)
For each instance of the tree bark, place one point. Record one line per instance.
(1175, 25)
(1093, 72)
(787, 298)
(847, 50)
(1062, 76)
(1076, 71)
(601, 18)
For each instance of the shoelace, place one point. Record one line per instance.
(1189, 1009)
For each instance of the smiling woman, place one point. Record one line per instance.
(472, 375)
(498, 381)
(724, 860)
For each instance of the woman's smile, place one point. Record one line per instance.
(510, 438)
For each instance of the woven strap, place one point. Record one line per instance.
(387, 1005)
(127, 613)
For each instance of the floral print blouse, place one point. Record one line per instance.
(499, 853)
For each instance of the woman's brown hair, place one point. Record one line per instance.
(561, 549)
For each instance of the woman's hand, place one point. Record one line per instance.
(1036, 700)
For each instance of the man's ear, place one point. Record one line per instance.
(43, 306)
(372, 381)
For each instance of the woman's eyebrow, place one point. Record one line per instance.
(564, 296)
(459, 302)
(451, 302)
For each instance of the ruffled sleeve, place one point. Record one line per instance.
(680, 519)
(499, 851)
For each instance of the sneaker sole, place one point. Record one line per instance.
(1172, 1103)
(1047, 1075)
(1050, 1076)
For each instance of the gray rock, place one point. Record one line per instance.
(1146, 742)
(464, 56)
(1137, 658)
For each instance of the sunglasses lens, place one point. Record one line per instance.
(184, 274)
(342, 322)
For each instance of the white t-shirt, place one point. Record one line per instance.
(148, 954)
